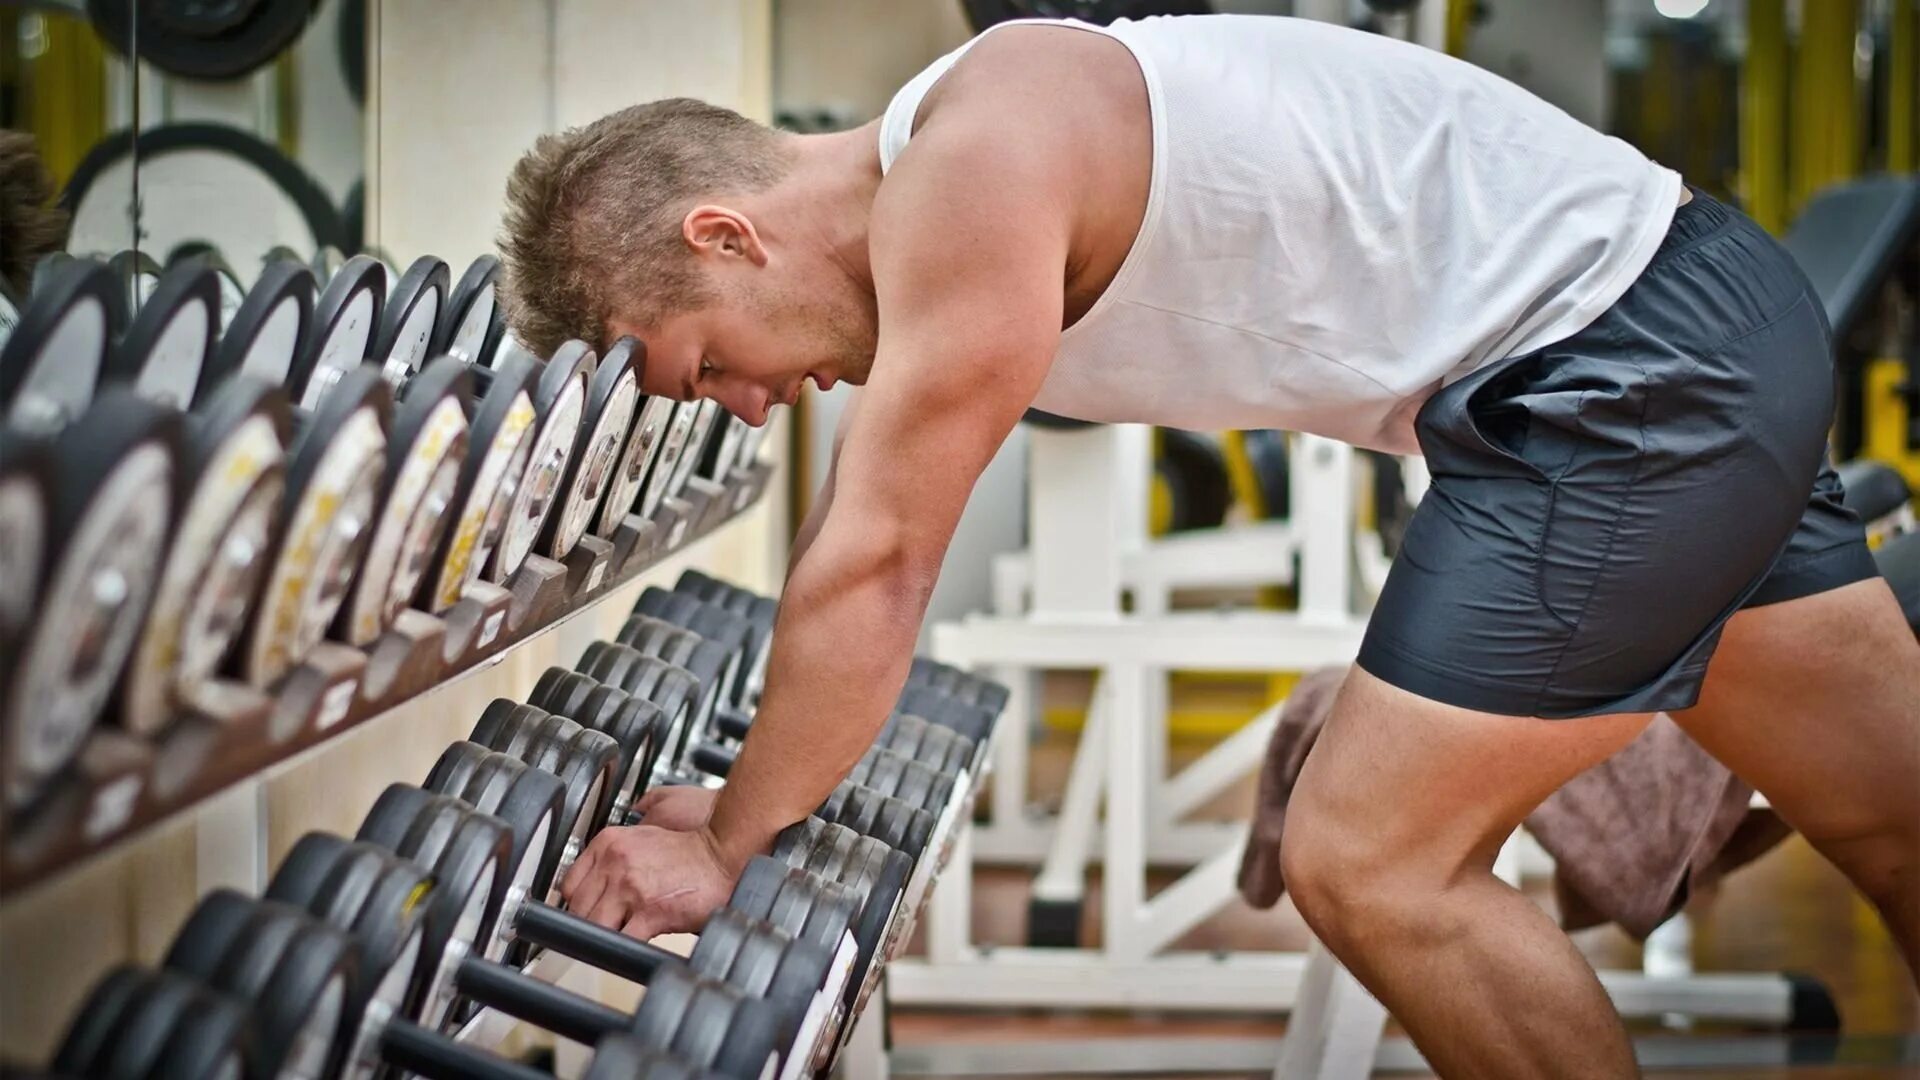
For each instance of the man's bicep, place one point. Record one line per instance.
(969, 264)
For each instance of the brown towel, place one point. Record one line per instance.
(1631, 838)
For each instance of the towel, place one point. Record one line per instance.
(1632, 837)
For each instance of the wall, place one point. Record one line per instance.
(454, 102)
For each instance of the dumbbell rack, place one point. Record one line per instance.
(121, 786)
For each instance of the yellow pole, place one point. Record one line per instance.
(1903, 85)
(1459, 23)
(1763, 114)
(1826, 116)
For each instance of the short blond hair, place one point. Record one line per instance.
(592, 226)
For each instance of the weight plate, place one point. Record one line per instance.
(162, 1024)
(197, 39)
(903, 734)
(642, 445)
(660, 479)
(629, 721)
(327, 261)
(704, 420)
(805, 905)
(205, 183)
(529, 805)
(454, 768)
(340, 336)
(501, 444)
(612, 399)
(567, 517)
(973, 721)
(862, 808)
(921, 786)
(26, 479)
(171, 338)
(495, 727)
(903, 827)
(265, 332)
(333, 484)
(723, 450)
(408, 319)
(469, 311)
(136, 274)
(623, 1057)
(99, 1019)
(53, 359)
(745, 1036)
(236, 467)
(881, 770)
(425, 453)
(559, 399)
(664, 1006)
(116, 485)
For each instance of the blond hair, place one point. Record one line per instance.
(592, 226)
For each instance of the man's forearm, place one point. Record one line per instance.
(841, 651)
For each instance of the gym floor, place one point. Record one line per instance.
(1789, 910)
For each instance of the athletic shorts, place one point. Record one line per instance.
(1602, 506)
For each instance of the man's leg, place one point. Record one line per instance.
(1388, 853)
(1816, 703)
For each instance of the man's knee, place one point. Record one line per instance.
(1351, 885)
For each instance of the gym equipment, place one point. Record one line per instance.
(634, 723)
(706, 416)
(738, 631)
(334, 475)
(25, 520)
(612, 396)
(1879, 494)
(642, 445)
(409, 318)
(340, 335)
(1899, 562)
(266, 330)
(52, 361)
(468, 313)
(425, 453)
(171, 339)
(199, 183)
(715, 665)
(660, 481)
(138, 274)
(201, 40)
(1192, 472)
(559, 400)
(501, 443)
(231, 291)
(674, 689)
(138, 1024)
(116, 491)
(235, 470)
(564, 747)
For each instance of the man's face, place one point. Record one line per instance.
(773, 324)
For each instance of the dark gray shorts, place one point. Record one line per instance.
(1602, 506)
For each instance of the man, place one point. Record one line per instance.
(1215, 222)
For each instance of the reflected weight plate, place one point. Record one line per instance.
(425, 453)
(333, 484)
(500, 445)
(237, 476)
(116, 485)
(660, 479)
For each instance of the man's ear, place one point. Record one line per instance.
(720, 231)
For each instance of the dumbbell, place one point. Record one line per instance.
(469, 311)
(706, 419)
(334, 474)
(789, 968)
(263, 336)
(346, 314)
(232, 293)
(642, 449)
(409, 318)
(630, 726)
(673, 445)
(942, 749)
(861, 801)
(593, 704)
(716, 665)
(170, 340)
(955, 683)
(672, 688)
(751, 637)
(559, 403)
(137, 1024)
(613, 395)
(485, 498)
(426, 451)
(53, 359)
(384, 901)
(114, 482)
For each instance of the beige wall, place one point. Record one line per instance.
(455, 101)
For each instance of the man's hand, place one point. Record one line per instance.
(679, 807)
(646, 881)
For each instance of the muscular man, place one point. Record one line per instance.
(1623, 389)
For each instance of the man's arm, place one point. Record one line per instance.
(970, 242)
(823, 500)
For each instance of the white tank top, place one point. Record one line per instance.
(1338, 224)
